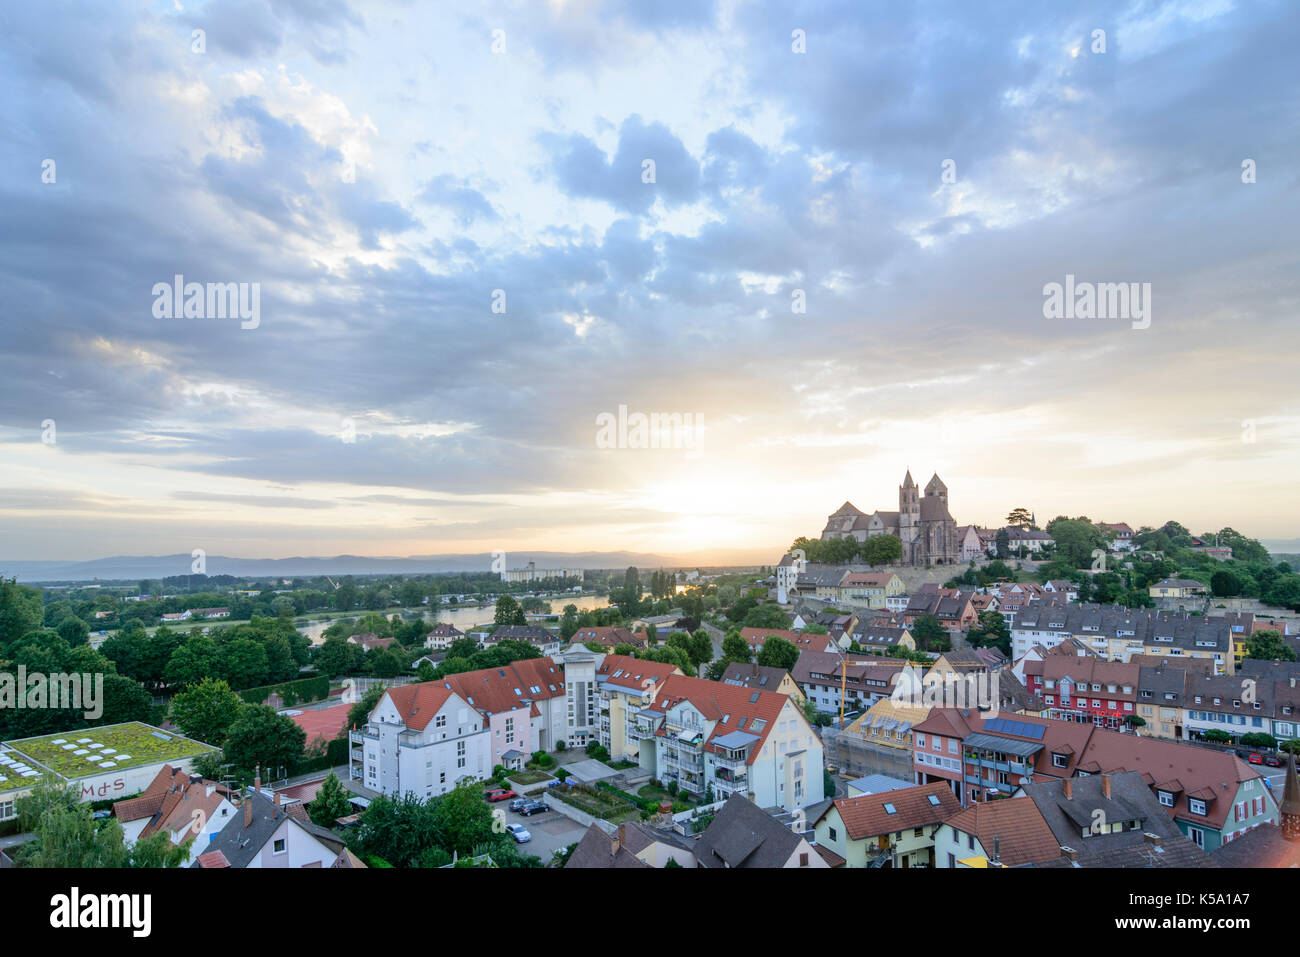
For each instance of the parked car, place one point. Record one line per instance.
(519, 833)
(534, 807)
(1273, 761)
(499, 794)
(1255, 758)
(518, 804)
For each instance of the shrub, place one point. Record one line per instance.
(560, 746)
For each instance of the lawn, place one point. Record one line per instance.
(117, 747)
(525, 778)
(682, 802)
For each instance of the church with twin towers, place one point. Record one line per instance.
(922, 523)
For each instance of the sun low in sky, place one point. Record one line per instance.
(826, 233)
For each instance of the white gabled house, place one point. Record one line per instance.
(731, 739)
(421, 739)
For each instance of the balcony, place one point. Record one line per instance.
(730, 759)
(640, 732)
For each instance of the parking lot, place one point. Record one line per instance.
(551, 831)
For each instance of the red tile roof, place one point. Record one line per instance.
(633, 673)
(732, 707)
(418, 703)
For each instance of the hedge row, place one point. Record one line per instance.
(293, 692)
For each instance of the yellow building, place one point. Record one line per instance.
(1176, 588)
(869, 588)
(626, 685)
(893, 828)
(889, 724)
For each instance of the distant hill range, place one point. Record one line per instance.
(137, 567)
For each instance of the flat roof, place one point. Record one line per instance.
(94, 751)
(991, 742)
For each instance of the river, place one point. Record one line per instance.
(462, 618)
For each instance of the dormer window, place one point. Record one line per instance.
(1196, 807)
(1166, 798)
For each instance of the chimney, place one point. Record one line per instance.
(1152, 839)
(248, 812)
(1068, 787)
(1069, 853)
(278, 796)
(1105, 785)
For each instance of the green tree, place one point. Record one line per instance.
(20, 610)
(192, 662)
(74, 631)
(398, 830)
(777, 652)
(766, 616)
(1076, 539)
(991, 630)
(206, 710)
(258, 737)
(385, 664)
(508, 612)
(1224, 584)
(1020, 518)
(930, 635)
(244, 663)
(1269, 645)
(331, 802)
(734, 647)
(882, 549)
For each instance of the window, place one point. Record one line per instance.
(1166, 798)
(952, 745)
(1197, 807)
(1060, 760)
(278, 847)
(833, 835)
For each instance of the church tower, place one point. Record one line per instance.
(909, 502)
(909, 516)
(936, 487)
(1289, 806)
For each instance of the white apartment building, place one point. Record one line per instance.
(421, 739)
(733, 740)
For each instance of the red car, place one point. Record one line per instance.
(1273, 761)
(1256, 758)
(500, 795)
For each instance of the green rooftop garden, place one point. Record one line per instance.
(11, 773)
(91, 751)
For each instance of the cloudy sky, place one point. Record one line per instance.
(388, 171)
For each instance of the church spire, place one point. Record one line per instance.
(1290, 803)
(907, 480)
